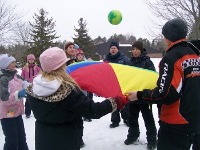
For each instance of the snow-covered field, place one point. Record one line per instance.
(97, 134)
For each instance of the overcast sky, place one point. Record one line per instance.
(136, 16)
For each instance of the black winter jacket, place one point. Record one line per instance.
(178, 87)
(56, 126)
(142, 62)
(119, 58)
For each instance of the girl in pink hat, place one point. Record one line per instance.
(58, 104)
(29, 71)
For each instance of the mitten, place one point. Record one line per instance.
(22, 93)
(120, 102)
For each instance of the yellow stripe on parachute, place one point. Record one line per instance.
(136, 79)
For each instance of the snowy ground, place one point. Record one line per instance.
(97, 134)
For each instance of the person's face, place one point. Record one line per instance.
(167, 42)
(31, 61)
(12, 66)
(113, 50)
(135, 52)
(80, 57)
(71, 50)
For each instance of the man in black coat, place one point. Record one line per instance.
(115, 56)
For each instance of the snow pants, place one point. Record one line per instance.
(174, 137)
(133, 132)
(15, 137)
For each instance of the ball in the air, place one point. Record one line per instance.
(115, 17)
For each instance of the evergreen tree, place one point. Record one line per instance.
(42, 33)
(99, 40)
(83, 39)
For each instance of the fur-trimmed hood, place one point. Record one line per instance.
(50, 91)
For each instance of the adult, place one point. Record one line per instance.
(177, 89)
(115, 56)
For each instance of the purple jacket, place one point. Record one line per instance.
(30, 71)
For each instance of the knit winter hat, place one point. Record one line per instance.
(76, 46)
(114, 44)
(52, 59)
(6, 60)
(138, 45)
(67, 45)
(30, 56)
(175, 29)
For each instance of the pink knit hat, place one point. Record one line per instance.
(52, 59)
(30, 56)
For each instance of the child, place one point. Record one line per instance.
(11, 104)
(140, 59)
(29, 71)
(58, 103)
(79, 55)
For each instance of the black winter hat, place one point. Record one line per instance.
(175, 29)
(138, 45)
(114, 44)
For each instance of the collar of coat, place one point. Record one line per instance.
(63, 91)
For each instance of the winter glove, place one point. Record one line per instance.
(120, 102)
(22, 93)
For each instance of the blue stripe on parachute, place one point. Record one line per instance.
(75, 66)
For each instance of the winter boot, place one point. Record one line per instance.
(114, 125)
(82, 144)
(129, 141)
(151, 145)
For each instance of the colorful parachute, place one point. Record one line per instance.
(110, 79)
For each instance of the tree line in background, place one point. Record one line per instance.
(19, 39)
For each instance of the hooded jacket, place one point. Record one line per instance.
(57, 108)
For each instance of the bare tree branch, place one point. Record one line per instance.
(8, 19)
(185, 9)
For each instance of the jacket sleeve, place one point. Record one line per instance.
(126, 61)
(23, 72)
(86, 107)
(4, 94)
(7, 97)
(149, 65)
(39, 69)
(166, 92)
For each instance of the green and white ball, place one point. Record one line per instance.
(115, 17)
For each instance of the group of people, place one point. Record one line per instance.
(130, 113)
(58, 103)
